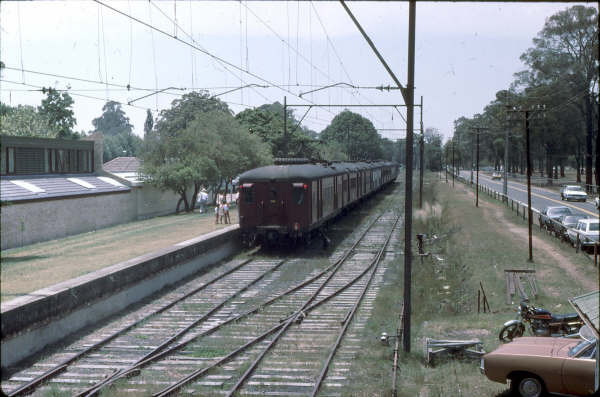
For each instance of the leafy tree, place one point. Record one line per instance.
(432, 149)
(23, 120)
(197, 143)
(266, 121)
(566, 51)
(356, 133)
(119, 139)
(149, 123)
(56, 109)
(113, 120)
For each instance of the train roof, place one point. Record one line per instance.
(305, 171)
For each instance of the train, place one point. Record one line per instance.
(296, 198)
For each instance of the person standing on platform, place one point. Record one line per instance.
(221, 213)
(226, 212)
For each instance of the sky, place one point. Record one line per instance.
(465, 53)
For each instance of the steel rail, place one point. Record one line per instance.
(196, 374)
(375, 265)
(59, 368)
(92, 391)
(298, 313)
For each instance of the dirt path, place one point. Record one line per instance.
(520, 235)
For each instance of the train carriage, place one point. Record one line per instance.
(295, 197)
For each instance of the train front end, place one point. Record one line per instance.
(273, 206)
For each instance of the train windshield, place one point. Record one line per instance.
(248, 193)
(298, 192)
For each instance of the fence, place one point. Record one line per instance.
(578, 240)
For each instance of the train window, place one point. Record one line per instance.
(248, 193)
(273, 195)
(298, 195)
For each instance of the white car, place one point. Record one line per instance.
(597, 202)
(573, 192)
(587, 229)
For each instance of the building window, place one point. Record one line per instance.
(10, 160)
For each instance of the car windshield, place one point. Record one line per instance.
(571, 219)
(575, 188)
(583, 349)
(594, 227)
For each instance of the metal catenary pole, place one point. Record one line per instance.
(408, 201)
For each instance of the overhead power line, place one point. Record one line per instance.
(197, 48)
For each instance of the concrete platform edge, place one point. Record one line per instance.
(47, 316)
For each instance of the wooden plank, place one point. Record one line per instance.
(519, 286)
(531, 279)
(508, 285)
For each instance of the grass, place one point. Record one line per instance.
(476, 245)
(29, 268)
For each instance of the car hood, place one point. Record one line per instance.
(537, 346)
(575, 193)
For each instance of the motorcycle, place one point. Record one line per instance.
(541, 322)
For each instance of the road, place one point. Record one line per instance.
(540, 197)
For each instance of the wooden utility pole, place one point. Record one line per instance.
(477, 130)
(421, 162)
(527, 113)
(285, 145)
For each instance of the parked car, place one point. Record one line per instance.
(587, 229)
(572, 192)
(536, 365)
(597, 202)
(550, 215)
(566, 222)
(496, 175)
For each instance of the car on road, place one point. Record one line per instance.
(566, 222)
(496, 175)
(549, 216)
(587, 230)
(537, 365)
(572, 192)
(597, 202)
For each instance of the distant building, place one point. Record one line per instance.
(52, 188)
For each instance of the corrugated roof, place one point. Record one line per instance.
(46, 187)
(587, 307)
(122, 164)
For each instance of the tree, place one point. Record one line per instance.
(149, 123)
(197, 143)
(433, 149)
(113, 120)
(119, 139)
(356, 133)
(266, 121)
(566, 50)
(23, 120)
(56, 109)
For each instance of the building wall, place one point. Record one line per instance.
(153, 202)
(24, 223)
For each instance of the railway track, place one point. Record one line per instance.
(262, 326)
